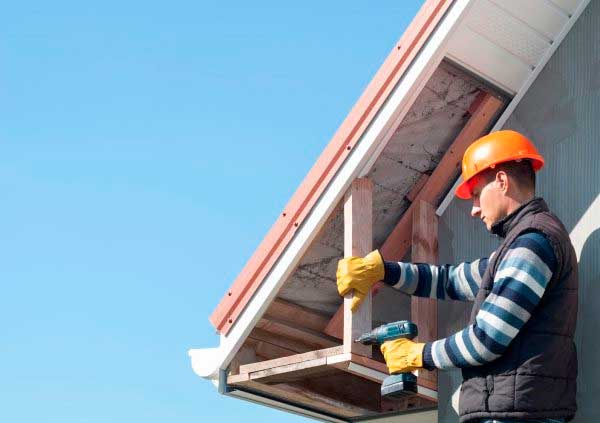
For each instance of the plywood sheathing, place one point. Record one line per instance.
(419, 142)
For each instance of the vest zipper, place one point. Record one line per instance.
(486, 400)
(489, 387)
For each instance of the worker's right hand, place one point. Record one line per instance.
(359, 274)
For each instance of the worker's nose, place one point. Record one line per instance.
(475, 210)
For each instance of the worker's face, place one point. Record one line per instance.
(489, 195)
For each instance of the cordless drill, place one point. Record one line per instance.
(400, 384)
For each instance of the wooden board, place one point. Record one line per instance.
(358, 241)
(293, 372)
(298, 358)
(424, 311)
(315, 340)
(289, 312)
(277, 341)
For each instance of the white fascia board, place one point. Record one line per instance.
(521, 93)
(371, 143)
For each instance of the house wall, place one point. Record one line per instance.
(561, 113)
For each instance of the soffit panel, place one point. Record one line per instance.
(503, 41)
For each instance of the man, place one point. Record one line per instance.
(517, 354)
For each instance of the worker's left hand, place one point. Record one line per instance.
(402, 355)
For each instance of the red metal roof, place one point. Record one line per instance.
(313, 185)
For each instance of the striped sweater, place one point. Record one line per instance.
(519, 284)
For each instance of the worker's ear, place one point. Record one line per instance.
(502, 181)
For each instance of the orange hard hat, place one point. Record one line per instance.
(492, 149)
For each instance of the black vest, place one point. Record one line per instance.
(536, 376)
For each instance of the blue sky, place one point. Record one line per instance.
(145, 150)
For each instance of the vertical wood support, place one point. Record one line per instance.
(358, 241)
(425, 250)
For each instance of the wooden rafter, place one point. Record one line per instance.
(286, 329)
(314, 339)
(284, 310)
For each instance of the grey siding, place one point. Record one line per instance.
(561, 113)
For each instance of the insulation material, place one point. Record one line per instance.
(420, 141)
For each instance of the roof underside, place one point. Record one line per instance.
(413, 152)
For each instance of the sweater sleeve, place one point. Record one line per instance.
(456, 282)
(519, 284)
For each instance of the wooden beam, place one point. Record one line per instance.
(279, 342)
(424, 311)
(417, 187)
(297, 358)
(358, 241)
(268, 351)
(293, 372)
(484, 110)
(315, 340)
(289, 312)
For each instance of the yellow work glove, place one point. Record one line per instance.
(402, 355)
(359, 274)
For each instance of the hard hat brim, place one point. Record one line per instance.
(463, 191)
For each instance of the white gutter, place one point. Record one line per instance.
(207, 362)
